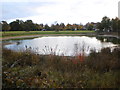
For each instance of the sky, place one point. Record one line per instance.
(52, 11)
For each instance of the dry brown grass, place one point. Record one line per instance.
(51, 71)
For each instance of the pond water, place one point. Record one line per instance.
(60, 45)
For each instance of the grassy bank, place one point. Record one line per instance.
(30, 70)
(21, 33)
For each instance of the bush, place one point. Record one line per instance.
(11, 58)
(105, 60)
(100, 70)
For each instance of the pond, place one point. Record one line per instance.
(61, 45)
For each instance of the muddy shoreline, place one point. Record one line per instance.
(33, 36)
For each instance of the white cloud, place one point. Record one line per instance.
(73, 11)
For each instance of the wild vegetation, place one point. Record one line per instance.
(29, 70)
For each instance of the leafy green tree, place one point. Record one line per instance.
(53, 27)
(5, 26)
(22, 25)
(106, 23)
(99, 27)
(41, 26)
(115, 24)
(15, 26)
(29, 25)
(47, 27)
(36, 27)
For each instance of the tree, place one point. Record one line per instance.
(119, 27)
(62, 26)
(47, 27)
(15, 25)
(105, 23)
(89, 26)
(29, 25)
(99, 26)
(22, 26)
(57, 27)
(5, 26)
(114, 24)
(41, 26)
(53, 27)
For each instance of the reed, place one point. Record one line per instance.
(30, 70)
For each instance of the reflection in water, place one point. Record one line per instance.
(61, 45)
(109, 39)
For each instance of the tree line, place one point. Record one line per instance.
(28, 25)
(109, 25)
(106, 25)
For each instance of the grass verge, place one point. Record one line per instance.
(21, 33)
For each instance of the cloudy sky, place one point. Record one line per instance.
(66, 11)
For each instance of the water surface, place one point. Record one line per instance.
(60, 45)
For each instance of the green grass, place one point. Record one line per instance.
(21, 33)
